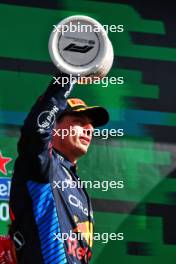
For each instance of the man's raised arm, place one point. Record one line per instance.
(36, 132)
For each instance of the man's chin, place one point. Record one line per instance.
(82, 149)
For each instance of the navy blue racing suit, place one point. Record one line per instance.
(44, 216)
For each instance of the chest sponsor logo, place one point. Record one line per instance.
(73, 200)
(81, 253)
(86, 229)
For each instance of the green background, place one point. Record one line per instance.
(144, 106)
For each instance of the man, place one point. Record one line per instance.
(41, 211)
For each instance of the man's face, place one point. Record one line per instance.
(76, 141)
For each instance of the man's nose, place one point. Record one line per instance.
(88, 129)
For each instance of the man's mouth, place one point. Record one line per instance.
(84, 140)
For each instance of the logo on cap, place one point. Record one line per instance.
(75, 102)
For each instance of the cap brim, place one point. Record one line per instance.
(97, 114)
